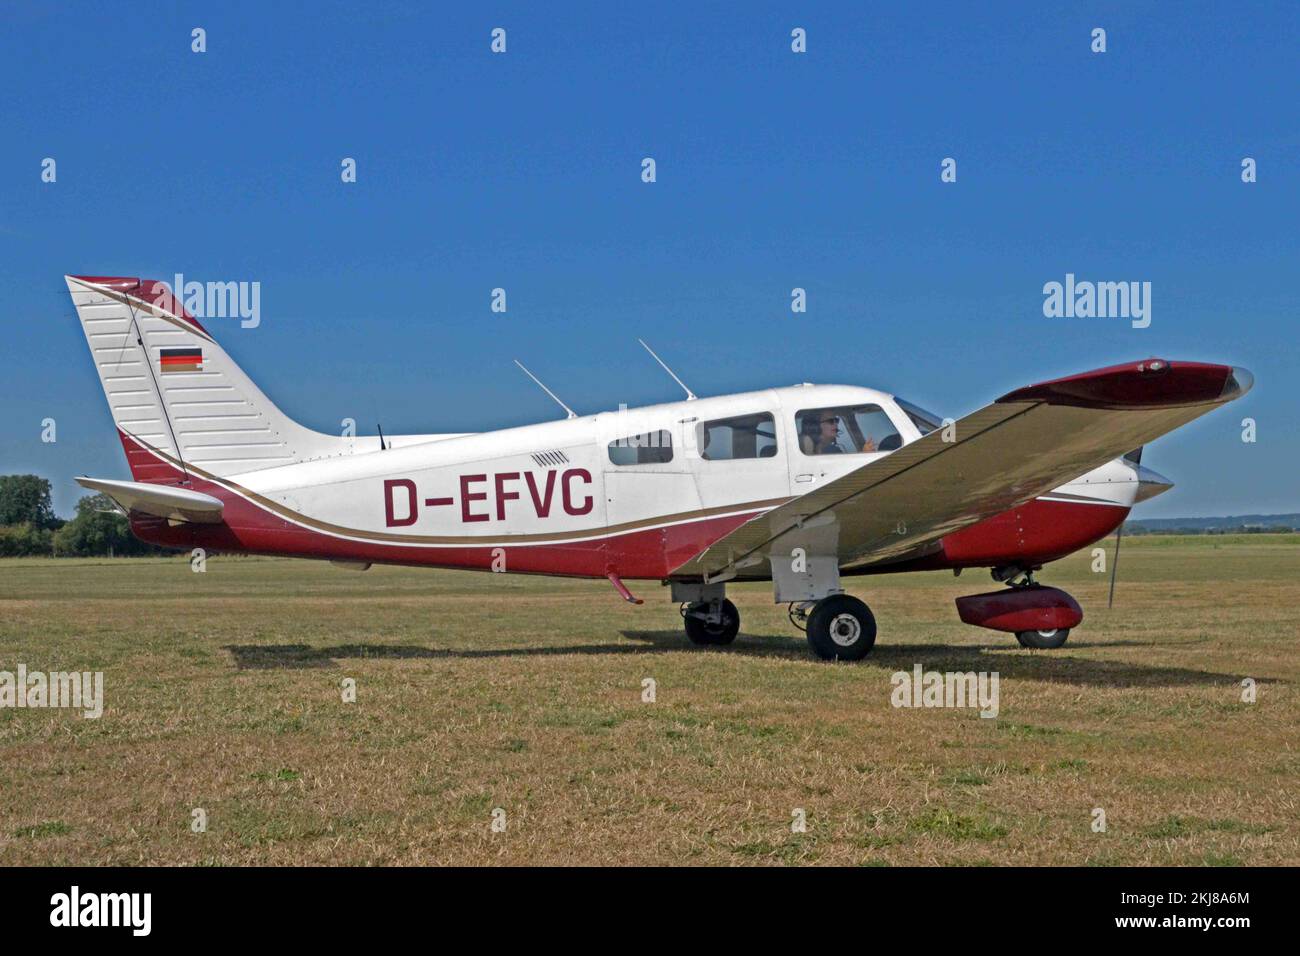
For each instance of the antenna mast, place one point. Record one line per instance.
(554, 397)
(690, 396)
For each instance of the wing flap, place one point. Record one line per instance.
(163, 501)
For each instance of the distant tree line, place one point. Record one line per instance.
(29, 526)
(1226, 524)
(1226, 529)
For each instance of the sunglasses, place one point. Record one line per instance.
(830, 421)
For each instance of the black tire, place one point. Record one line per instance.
(1043, 640)
(702, 632)
(841, 628)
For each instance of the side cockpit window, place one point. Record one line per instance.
(851, 430)
(745, 436)
(649, 448)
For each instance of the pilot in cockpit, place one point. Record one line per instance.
(821, 435)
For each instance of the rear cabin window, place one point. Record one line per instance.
(746, 436)
(650, 448)
(846, 430)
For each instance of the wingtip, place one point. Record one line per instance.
(1151, 383)
(1239, 382)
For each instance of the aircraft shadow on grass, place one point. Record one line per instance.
(1053, 666)
(291, 656)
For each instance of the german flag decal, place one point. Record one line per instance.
(181, 360)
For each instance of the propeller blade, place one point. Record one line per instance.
(1114, 566)
(1134, 457)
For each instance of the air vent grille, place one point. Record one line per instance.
(550, 459)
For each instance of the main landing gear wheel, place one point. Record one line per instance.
(1043, 640)
(841, 628)
(700, 631)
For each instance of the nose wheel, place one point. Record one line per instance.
(1043, 640)
(710, 622)
(842, 628)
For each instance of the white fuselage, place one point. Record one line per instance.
(494, 487)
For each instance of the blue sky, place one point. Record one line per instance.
(774, 170)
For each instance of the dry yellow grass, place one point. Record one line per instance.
(478, 692)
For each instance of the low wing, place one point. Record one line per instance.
(1021, 446)
(163, 501)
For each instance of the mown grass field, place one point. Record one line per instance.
(479, 691)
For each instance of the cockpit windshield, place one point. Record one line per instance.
(924, 421)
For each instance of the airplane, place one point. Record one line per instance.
(802, 486)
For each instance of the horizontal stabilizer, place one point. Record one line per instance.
(163, 501)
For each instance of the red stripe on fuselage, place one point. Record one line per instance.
(648, 553)
(1036, 532)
